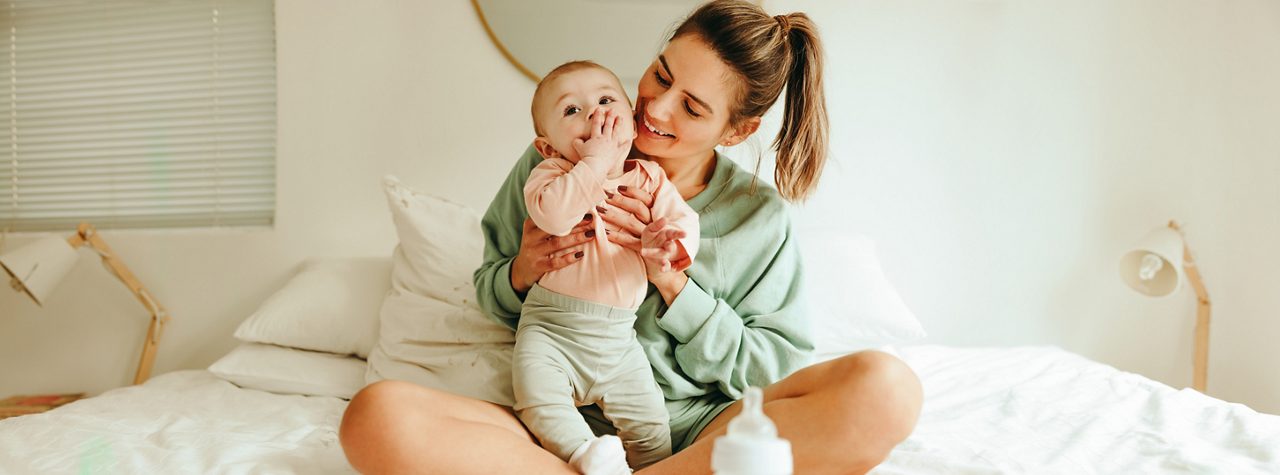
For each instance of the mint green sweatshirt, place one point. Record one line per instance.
(738, 322)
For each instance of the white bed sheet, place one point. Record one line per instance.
(1042, 410)
(181, 422)
(1008, 410)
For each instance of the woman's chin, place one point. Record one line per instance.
(652, 146)
(646, 146)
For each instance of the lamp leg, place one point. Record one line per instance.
(1200, 370)
(148, 352)
(1200, 377)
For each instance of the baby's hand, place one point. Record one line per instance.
(610, 142)
(660, 246)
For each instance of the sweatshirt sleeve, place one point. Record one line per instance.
(667, 203)
(558, 193)
(503, 226)
(762, 339)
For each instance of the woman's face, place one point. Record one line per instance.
(683, 100)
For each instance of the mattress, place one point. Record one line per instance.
(1008, 410)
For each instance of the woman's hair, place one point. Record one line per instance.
(767, 53)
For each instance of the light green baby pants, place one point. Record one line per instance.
(570, 352)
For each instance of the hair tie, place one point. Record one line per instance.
(784, 23)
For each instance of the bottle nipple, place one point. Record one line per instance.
(751, 445)
(752, 422)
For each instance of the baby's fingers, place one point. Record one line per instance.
(671, 234)
(597, 122)
(610, 124)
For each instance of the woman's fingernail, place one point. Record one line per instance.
(591, 233)
(610, 195)
(586, 217)
(622, 188)
(577, 255)
(600, 209)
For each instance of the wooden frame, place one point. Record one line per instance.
(87, 235)
(1200, 368)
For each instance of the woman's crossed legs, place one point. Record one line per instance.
(842, 416)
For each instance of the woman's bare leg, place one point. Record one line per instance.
(398, 427)
(842, 416)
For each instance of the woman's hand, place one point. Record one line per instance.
(540, 252)
(627, 214)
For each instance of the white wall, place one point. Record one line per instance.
(1003, 154)
(365, 89)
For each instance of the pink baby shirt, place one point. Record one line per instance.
(559, 193)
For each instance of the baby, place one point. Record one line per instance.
(575, 344)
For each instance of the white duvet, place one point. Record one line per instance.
(181, 422)
(1047, 411)
(1012, 410)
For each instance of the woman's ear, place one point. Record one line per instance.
(543, 146)
(735, 135)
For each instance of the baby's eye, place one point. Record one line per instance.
(571, 110)
(607, 100)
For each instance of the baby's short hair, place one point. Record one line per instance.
(560, 70)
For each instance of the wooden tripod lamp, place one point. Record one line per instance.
(1156, 267)
(36, 269)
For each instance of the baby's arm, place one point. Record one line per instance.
(558, 194)
(673, 235)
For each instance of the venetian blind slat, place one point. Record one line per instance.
(128, 113)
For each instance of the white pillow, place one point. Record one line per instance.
(432, 331)
(331, 305)
(854, 306)
(440, 244)
(451, 348)
(291, 371)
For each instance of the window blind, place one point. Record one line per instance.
(137, 113)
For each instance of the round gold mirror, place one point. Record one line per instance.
(622, 35)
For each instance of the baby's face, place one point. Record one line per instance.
(565, 107)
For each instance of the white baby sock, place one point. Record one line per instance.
(601, 456)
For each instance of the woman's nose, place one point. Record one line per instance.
(660, 106)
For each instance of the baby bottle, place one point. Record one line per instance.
(751, 446)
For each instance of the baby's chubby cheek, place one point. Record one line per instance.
(628, 122)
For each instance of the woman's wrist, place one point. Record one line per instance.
(670, 284)
(518, 282)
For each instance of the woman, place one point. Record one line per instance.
(730, 321)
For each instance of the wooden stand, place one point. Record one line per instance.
(87, 235)
(1200, 374)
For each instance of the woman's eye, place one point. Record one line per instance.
(607, 100)
(690, 109)
(661, 81)
(571, 110)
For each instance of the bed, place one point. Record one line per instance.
(987, 410)
(274, 403)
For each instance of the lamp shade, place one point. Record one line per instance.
(1154, 266)
(36, 268)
